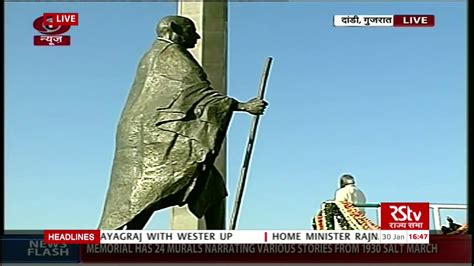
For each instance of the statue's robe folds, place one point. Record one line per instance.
(168, 137)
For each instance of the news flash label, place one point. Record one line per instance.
(384, 20)
(235, 237)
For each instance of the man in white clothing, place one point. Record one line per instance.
(348, 191)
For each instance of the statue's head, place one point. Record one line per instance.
(178, 29)
(346, 179)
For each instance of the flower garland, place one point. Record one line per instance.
(357, 218)
(345, 214)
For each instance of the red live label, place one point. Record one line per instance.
(72, 236)
(405, 216)
(413, 20)
(61, 19)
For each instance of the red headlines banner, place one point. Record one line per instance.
(441, 249)
(72, 236)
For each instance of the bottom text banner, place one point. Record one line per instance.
(235, 237)
(27, 248)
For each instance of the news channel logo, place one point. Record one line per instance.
(405, 215)
(52, 27)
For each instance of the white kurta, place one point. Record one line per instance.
(352, 194)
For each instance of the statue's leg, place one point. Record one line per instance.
(213, 186)
(215, 216)
(139, 222)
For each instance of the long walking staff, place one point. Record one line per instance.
(248, 153)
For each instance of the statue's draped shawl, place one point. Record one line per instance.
(168, 136)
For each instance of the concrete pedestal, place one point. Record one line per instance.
(210, 19)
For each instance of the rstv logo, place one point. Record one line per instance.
(404, 213)
(405, 216)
